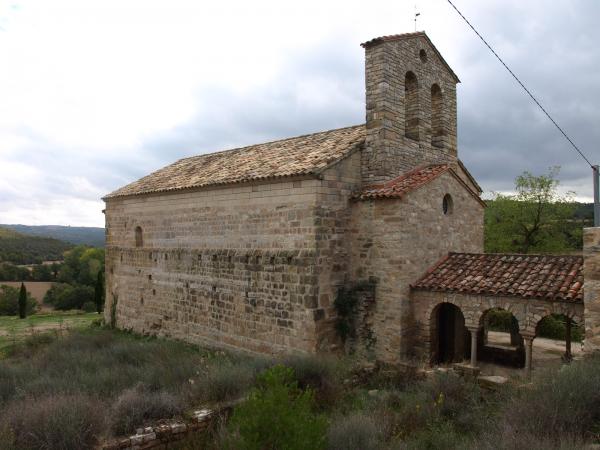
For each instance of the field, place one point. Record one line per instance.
(14, 330)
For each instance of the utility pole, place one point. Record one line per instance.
(596, 171)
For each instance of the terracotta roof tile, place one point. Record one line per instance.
(548, 277)
(399, 186)
(302, 155)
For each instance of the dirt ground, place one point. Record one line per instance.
(546, 355)
(37, 289)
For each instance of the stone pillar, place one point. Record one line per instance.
(591, 288)
(474, 334)
(568, 356)
(528, 355)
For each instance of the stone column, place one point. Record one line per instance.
(568, 356)
(591, 288)
(474, 335)
(528, 354)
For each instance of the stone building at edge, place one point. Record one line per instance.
(249, 248)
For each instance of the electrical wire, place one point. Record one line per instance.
(522, 85)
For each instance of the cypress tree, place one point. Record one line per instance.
(23, 302)
(99, 292)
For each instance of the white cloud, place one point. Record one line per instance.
(95, 94)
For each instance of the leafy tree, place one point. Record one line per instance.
(277, 415)
(9, 302)
(535, 219)
(74, 297)
(22, 302)
(99, 292)
(51, 296)
(41, 272)
(82, 265)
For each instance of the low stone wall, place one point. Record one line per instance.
(591, 288)
(159, 436)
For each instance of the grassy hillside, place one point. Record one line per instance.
(19, 248)
(92, 236)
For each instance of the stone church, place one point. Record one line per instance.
(250, 248)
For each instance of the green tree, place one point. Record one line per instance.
(99, 292)
(22, 302)
(277, 415)
(535, 219)
(74, 297)
(9, 301)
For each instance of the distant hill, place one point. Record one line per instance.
(92, 236)
(20, 248)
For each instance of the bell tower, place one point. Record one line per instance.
(410, 106)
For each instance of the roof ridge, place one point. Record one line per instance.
(219, 152)
(517, 254)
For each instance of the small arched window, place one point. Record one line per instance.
(139, 237)
(447, 204)
(437, 120)
(411, 106)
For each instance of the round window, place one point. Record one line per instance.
(447, 204)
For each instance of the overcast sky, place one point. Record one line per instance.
(97, 93)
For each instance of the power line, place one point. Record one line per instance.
(522, 85)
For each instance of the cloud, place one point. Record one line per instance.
(98, 95)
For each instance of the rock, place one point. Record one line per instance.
(492, 381)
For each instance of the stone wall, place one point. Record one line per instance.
(394, 241)
(389, 152)
(528, 312)
(252, 266)
(591, 289)
(232, 267)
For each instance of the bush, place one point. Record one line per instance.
(54, 422)
(317, 373)
(74, 297)
(277, 415)
(224, 381)
(440, 435)
(136, 406)
(9, 301)
(89, 307)
(553, 327)
(356, 431)
(561, 404)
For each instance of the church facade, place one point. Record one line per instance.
(250, 248)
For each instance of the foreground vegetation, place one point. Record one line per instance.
(14, 331)
(73, 391)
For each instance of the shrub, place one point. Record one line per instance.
(223, 381)
(277, 415)
(9, 301)
(54, 422)
(319, 373)
(440, 435)
(356, 431)
(136, 406)
(53, 293)
(561, 404)
(74, 297)
(554, 327)
(89, 307)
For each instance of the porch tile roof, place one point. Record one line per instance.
(546, 277)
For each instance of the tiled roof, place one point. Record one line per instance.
(410, 181)
(403, 36)
(302, 155)
(399, 186)
(548, 277)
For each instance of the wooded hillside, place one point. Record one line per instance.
(19, 248)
